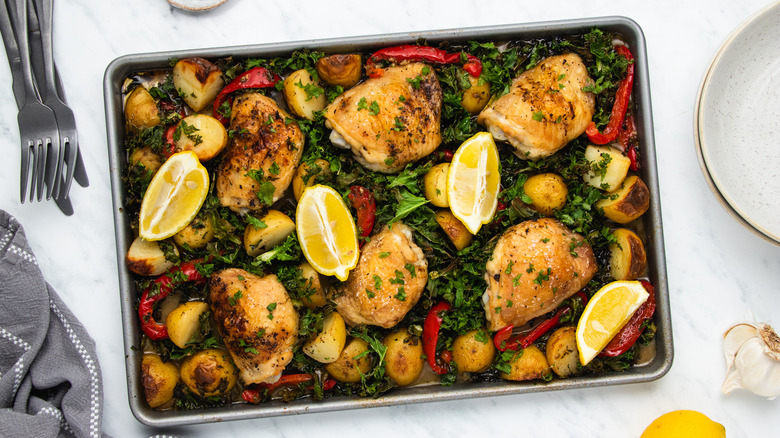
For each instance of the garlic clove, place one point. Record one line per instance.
(734, 338)
(753, 359)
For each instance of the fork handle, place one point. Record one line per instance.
(44, 9)
(19, 18)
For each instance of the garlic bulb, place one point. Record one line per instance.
(753, 359)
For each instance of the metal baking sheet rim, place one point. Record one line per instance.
(118, 70)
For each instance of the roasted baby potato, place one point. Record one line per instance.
(562, 353)
(473, 351)
(547, 191)
(209, 372)
(197, 234)
(628, 202)
(459, 235)
(627, 256)
(314, 285)
(341, 70)
(183, 322)
(353, 361)
(277, 226)
(327, 346)
(403, 358)
(141, 109)
(158, 379)
(146, 157)
(201, 134)
(308, 175)
(476, 96)
(198, 81)
(435, 182)
(608, 167)
(147, 258)
(303, 94)
(532, 364)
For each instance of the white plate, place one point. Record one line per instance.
(196, 5)
(737, 123)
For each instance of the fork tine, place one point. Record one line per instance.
(53, 157)
(69, 149)
(40, 168)
(25, 170)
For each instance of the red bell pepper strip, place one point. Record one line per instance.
(628, 335)
(473, 66)
(152, 328)
(169, 147)
(619, 107)
(430, 336)
(633, 158)
(364, 204)
(254, 393)
(258, 77)
(503, 339)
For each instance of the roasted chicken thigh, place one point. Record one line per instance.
(545, 108)
(535, 266)
(387, 282)
(266, 148)
(257, 321)
(389, 121)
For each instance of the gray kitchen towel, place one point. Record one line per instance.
(50, 382)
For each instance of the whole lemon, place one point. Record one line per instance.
(684, 424)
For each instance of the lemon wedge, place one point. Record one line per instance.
(605, 314)
(173, 197)
(326, 231)
(473, 181)
(684, 424)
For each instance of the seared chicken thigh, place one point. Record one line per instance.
(535, 266)
(544, 109)
(257, 321)
(387, 282)
(389, 121)
(266, 148)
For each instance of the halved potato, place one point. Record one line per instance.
(198, 81)
(352, 362)
(532, 364)
(158, 379)
(327, 346)
(141, 109)
(184, 322)
(201, 134)
(562, 353)
(197, 234)
(608, 167)
(547, 191)
(317, 298)
(277, 226)
(303, 94)
(147, 258)
(341, 70)
(473, 354)
(404, 361)
(308, 175)
(627, 256)
(475, 97)
(628, 202)
(209, 372)
(146, 157)
(435, 182)
(459, 235)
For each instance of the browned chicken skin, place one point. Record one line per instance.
(257, 321)
(387, 282)
(389, 121)
(535, 266)
(544, 109)
(264, 141)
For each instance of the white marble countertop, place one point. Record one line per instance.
(718, 270)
